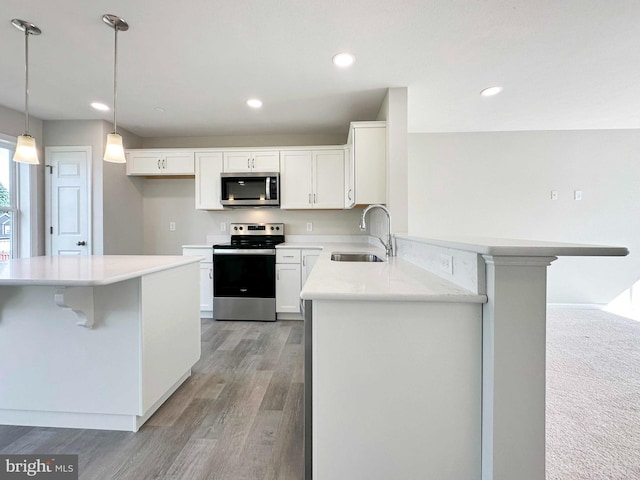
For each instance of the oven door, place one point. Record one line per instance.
(244, 273)
(244, 284)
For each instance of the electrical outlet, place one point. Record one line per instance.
(172, 226)
(446, 263)
(223, 227)
(577, 194)
(309, 227)
(554, 194)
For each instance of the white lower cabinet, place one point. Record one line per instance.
(206, 278)
(287, 288)
(293, 266)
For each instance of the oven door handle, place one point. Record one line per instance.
(244, 251)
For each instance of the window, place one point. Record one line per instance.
(8, 208)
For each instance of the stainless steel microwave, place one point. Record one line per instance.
(250, 189)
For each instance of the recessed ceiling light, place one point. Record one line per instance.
(100, 106)
(159, 109)
(491, 91)
(254, 103)
(343, 60)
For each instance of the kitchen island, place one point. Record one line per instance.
(95, 342)
(431, 364)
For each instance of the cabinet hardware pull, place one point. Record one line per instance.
(349, 194)
(253, 162)
(315, 198)
(164, 163)
(278, 275)
(304, 261)
(158, 164)
(211, 274)
(309, 198)
(81, 243)
(287, 256)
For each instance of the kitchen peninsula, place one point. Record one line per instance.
(95, 342)
(431, 364)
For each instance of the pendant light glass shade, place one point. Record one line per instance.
(114, 152)
(26, 151)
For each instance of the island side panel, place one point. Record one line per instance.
(170, 312)
(56, 373)
(514, 348)
(396, 390)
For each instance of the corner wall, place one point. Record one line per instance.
(498, 184)
(117, 199)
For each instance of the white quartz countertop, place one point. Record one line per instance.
(92, 270)
(392, 280)
(521, 248)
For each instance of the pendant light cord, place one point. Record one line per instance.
(26, 83)
(115, 81)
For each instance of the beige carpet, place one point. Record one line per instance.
(593, 396)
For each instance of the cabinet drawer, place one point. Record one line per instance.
(287, 255)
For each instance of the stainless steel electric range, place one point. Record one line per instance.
(244, 272)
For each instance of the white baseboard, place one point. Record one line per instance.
(577, 306)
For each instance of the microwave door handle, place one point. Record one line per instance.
(267, 190)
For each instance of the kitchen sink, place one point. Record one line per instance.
(355, 257)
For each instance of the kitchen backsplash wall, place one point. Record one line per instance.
(173, 200)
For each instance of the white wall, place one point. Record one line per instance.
(173, 200)
(215, 141)
(499, 185)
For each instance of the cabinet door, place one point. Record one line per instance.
(296, 179)
(237, 161)
(206, 286)
(309, 258)
(287, 288)
(349, 179)
(178, 163)
(370, 153)
(328, 189)
(208, 169)
(266, 161)
(144, 163)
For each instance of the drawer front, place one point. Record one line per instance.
(287, 255)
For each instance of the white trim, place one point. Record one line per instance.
(576, 306)
(11, 140)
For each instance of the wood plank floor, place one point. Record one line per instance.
(239, 416)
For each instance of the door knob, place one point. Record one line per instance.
(82, 243)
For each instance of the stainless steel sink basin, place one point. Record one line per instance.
(355, 257)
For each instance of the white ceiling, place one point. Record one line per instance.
(564, 64)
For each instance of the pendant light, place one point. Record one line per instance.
(26, 146)
(114, 151)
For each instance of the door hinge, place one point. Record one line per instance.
(51, 230)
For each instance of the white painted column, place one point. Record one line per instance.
(513, 368)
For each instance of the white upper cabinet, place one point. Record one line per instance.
(252, 161)
(312, 179)
(208, 169)
(160, 162)
(366, 164)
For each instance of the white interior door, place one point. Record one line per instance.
(68, 197)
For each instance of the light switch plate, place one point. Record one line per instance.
(446, 263)
(554, 194)
(309, 227)
(172, 226)
(577, 194)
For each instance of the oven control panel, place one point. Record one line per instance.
(257, 229)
